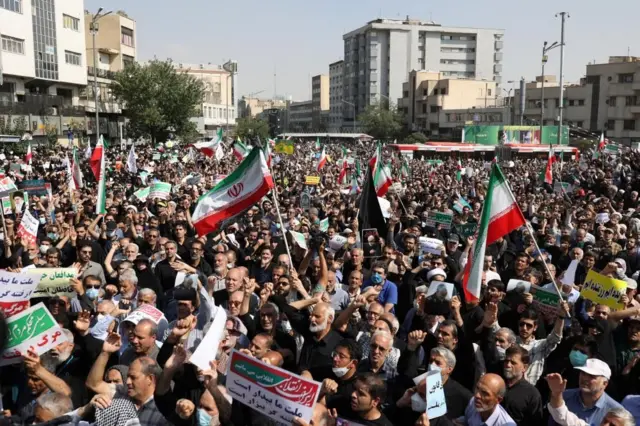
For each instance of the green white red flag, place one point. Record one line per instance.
(548, 171)
(209, 148)
(323, 159)
(500, 216)
(240, 150)
(345, 165)
(101, 205)
(235, 194)
(381, 175)
(96, 158)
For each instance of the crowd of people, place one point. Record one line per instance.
(350, 310)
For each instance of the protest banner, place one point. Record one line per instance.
(603, 290)
(466, 230)
(602, 218)
(284, 147)
(299, 239)
(545, 301)
(440, 290)
(324, 225)
(460, 204)
(28, 227)
(272, 391)
(518, 286)
(142, 194)
(208, 348)
(34, 186)
(7, 186)
(312, 180)
(32, 329)
(54, 282)
(430, 245)
(145, 311)
(439, 218)
(6, 205)
(436, 403)
(160, 190)
(15, 292)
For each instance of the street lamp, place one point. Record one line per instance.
(545, 58)
(354, 114)
(93, 28)
(232, 68)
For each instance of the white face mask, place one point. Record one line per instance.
(340, 371)
(502, 352)
(43, 249)
(418, 404)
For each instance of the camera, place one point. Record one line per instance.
(317, 239)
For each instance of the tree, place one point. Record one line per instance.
(380, 122)
(251, 127)
(416, 137)
(158, 100)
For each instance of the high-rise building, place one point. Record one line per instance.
(320, 102)
(43, 63)
(379, 56)
(335, 96)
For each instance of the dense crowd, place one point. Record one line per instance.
(355, 311)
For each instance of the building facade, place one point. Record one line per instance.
(218, 107)
(253, 107)
(115, 49)
(379, 56)
(320, 102)
(43, 65)
(299, 117)
(335, 96)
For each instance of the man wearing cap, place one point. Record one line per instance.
(589, 402)
(607, 241)
(453, 244)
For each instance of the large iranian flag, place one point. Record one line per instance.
(500, 216)
(101, 204)
(76, 172)
(96, 157)
(234, 194)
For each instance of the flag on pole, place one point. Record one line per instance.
(267, 151)
(29, 156)
(376, 155)
(500, 216)
(101, 205)
(219, 152)
(548, 172)
(358, 172)
(343, 170)
(132, 167)
(370, 213)
(240, 150)
(208, 148)
(96, 158)
(405, 171)
(76, 171)
(603, 142)
(87, 152)
(318, 144)
(462, 138)
(459, 171)
(240, 190)
(381, 175)
(70, 181)
(323, 159)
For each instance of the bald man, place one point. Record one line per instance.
(484, 407)
(273, 358)
(234, 282)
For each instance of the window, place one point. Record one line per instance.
(425, 92)
(12, 45)
(580, 102)
(12, 5)
(126, 36)
(629, 125)
(572, 102)
(625, 78)
(433, 108)
(71, 22)
(631, 100)
(424, 108)
(612, 101)
(443, 91)
(557, 102)
(579, 123)
(488, 92)
(611, 124)
(72, 58)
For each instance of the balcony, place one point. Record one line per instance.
(635, 85)
(635, 109)
(109, 75)
(37, 104)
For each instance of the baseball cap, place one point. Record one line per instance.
(595, 367)
(453, 238)
(632, 284)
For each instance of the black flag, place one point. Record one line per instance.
(370, 214)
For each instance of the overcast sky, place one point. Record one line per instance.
(299, 38)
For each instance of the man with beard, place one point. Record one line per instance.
(319, 341)
(261, 268)
(367, 397)
(522, 400)
(216, 281)
(284, 342)
(86, 266)
(197, 264)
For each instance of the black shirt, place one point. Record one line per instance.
(457, 398)
(316, 355)
(523, 403)
(352, 415)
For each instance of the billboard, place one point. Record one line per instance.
(493, 135)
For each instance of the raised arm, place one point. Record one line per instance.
(95, 380)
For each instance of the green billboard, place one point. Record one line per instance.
(492, 135)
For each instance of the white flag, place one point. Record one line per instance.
(70, 181)
(87, 153)
(131, 161)
(219, 152)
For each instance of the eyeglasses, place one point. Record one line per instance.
(526, 325)
(235, 302)
(153, 236)
(375, 347)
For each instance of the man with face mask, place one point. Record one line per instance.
(337, 388)
(87, 292)
(522, 400)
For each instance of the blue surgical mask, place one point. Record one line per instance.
(376, 278)
(203, 418)
(92, 293)
(52, 235)
(577, 358)
(43, 220)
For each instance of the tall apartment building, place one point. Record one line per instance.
(115, 49)
(379, 56)
(43, 63)
(218, 107)
(253, 107)
(299, 117)
(335, 96)
(320, 102)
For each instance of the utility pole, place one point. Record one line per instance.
(563, 17)
(93, 27)
(545, 58)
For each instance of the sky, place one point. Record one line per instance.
(296, 39)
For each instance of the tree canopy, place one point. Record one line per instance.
(158, 100)
(251, 127)
(380, 122)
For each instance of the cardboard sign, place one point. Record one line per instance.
(54, 282)
(28, 227)
(603, 290)
(33, 329)
(602, 218)
(440, 290)
(142, 194)
(436, 403)
(15, 291)
(208, 348)
(271, 391)
(439, 218)
(460, 204)
(160, 190)
(430, 245)
(545, 301)
(518, 286)
(324, 225)
(35, 187)
(466, 230)
(145, 311)
(299, 239)
(7, 186)
(312, 180)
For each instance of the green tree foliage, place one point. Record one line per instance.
(382, 123)
(158, 100)
(416, 137)
(250, 128)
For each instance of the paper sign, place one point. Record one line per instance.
(438, 218)
(15, 291)
(145, 311)
(562, 187)
(6, 205)
(160, 190)
(35, 329)
(440, 290)
(466, 230)
(430, 245)
(545, 301)
(54, 282)
(142, 194)
(436, 403)
(299, 239)
(28, 227)
(34, 187)
(208, 348)
(518, 286)
(569, 276)
(602, 218)
(272, 391)
(603, 290)
(7, 186)
(460, 204)
(324, 225)
(312, 180)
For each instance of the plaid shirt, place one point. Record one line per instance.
(148, 414)
(539, 350)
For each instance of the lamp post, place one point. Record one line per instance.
(354, 114)
(93, 28)
(512, 103)
(563, 17)
(232, 68)
(545, 49)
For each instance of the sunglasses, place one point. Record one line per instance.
(526, 325)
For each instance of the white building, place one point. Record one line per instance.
(335, 96)
(379, 56)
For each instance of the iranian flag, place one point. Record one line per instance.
(76, 172)
(101, 204)
(459, 171)
(323, 160)
(376, 155)
(318, 146)
(548, 171)
(343, 170)
(240, 150)
(29, 156)
(405, 172)
(208, 149)
(96, 158)
(602, 143)
(354, 188)
(381, 179)
(236, 193)
(267, 151)
(500, 216)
